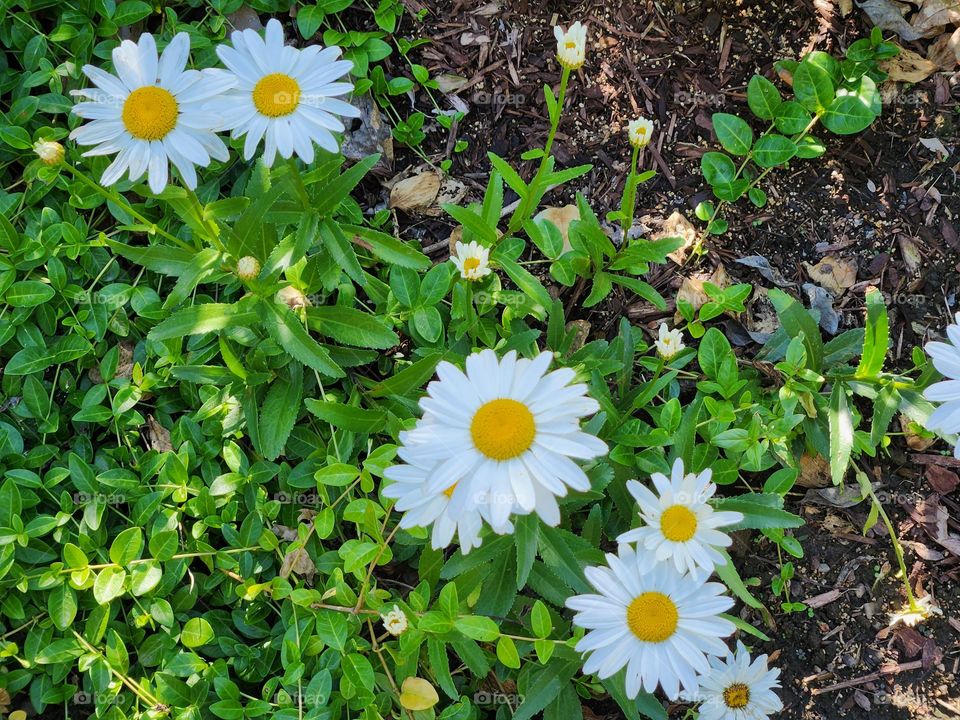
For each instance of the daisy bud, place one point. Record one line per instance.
(49, 151)
(669, 342)
(248, 268)
(293, 298)
(640, 131)
(394, 621)
(571, 46)
(472, 260)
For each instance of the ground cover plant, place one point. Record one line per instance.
(265, 456)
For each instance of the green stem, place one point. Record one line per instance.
(897, 549)
(118, 199)
(630, 195)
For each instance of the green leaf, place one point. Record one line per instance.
(527, 536)
(718, 169)
(127, 546)
(763, 97)
(28, 293)
(851, 113)
(876, 336)
(109, 584)
(731, 578)
(280, 408)
(792, 118)
(388, 248)
(196, 632)
(507, 652)
(773, 149)
(799, 323)
(761, 511)
(473, 223)
(348, 417)
(733, 133)
(336, 191)
(288, 333)
(352, 327)
(840, 421)
(477, 627)
(813, 83)
(200, 319)
(62, 606)
(540, 620)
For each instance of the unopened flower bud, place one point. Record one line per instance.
(248, 268)
(50, 152)
(293, 298)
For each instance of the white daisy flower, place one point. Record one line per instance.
(946, 359)
(925, 607)
(669, 342)
(679, 524)
(451, 510)
(472, 260)
(394, 621)
(738, 689)
(658, 623)
(640, 131)
(152, 114)
(503, 434)
(571, 45)
(284, 96)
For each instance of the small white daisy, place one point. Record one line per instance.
(451, 510)
(472, 260)
(946, 359)
(658, 623)
(284, 96)
(738, 689)
(503, 434)
(911, 617)
(640, 131)
(152, 114)
(669, 342)
(679, 524)
(394, 621)
(571, 45)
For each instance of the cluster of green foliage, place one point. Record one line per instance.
(191, 522)
(841, 95)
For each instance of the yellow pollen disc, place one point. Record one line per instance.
(678, 523)
(449, 491)
(571, 45)
(471, 263)
(503, 429)
(736, 696)
(276, 95)
(149, 113)
(652, 617)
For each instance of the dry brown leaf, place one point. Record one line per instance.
(944, 52)
(834, 274)
(372, 135)
(452, 191)
(846, 7)
(158, 437)
(942, 480)
(677, 225)
(561, 217)
(299, 563)
(908, 66)
(814, 472)
(910, 253)
(691, 289)
(934, 14)
(448, 82)
(889, 15)
(456, 235)
(415, 193)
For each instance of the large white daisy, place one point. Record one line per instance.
(680, 525)
(506, 431)
(283, 95)
(658, 623)
(449, 510)
(737, 688)
(946, 358)
(152, 114)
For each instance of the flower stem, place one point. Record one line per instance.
(118, 199)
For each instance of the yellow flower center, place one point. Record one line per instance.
(471, 263)
(652, 617)
(571, 45)
(736, 696)
(678, 523)
(150, 112)
(503, 429)
(449, 491)
(276, 95)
